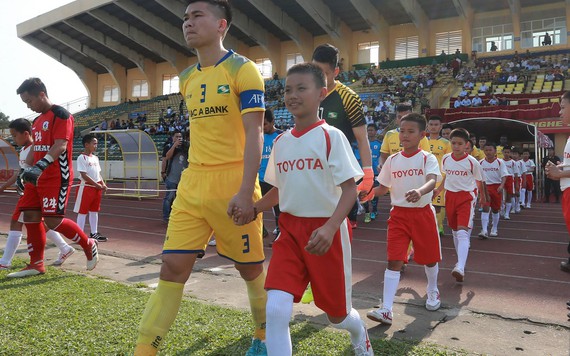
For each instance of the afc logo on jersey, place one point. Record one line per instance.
(45, 125)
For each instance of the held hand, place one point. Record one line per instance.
(413, 195)
(363, 197)
(367, 181)
(320, 241)
(500, 188)
(243, 203)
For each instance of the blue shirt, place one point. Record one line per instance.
(375, 151)
(267, 147)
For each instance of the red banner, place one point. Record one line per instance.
(514, 112)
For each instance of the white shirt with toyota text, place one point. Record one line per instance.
(461, 174)
(90, 165)
(494, 171)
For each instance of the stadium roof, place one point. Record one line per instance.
(98, 34)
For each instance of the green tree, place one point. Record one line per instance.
(4, 120)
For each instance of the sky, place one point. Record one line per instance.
(20, 60)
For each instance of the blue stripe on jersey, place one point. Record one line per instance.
(252, 99)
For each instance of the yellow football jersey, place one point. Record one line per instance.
(500, 152)
(478, 153)
(216, 98)
(391, 143)
(439, 147)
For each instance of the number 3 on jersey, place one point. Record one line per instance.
(203, 98)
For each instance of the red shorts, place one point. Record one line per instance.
(51, 199)
(518, 182)
(495, 197)
(529, 183)
(88, 199)
(292, 268)
(418, 225)
(566, 207)
(460, 208)
(510, 185)
(18, 215)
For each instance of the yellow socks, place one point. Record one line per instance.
(160, 312)
(257, 300)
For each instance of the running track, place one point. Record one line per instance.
(516, 275)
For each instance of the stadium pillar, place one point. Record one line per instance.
(90, 80)
(515, 6)
(344, 44)
(149, 70)
(119, 73)
(274, 52)
(567, 22)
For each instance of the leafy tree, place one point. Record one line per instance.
(4, 120)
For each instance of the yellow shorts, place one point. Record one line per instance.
(199, 210)
(440, 199)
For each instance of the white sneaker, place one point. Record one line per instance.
(458, 274)
(433, 302)
(63, 256)
(483, 235)
(381, 315)
(92, 255)
(212, 242)
(494, 234)
(363, 348)
(507, 217)
(528, 206)
(518, 210)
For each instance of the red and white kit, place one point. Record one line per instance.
(24, 152)
(493, 173)
(460, 189)
(512, 169)
(52, 191)
(564, 185)
(529, 168)
(88, 197)
(307, 167)
(520, 171)
(411, 221)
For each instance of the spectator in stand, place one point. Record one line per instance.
(547, 40)
(103, 125)
(169, 112)
(493, 46)
(483, 89)
(498, 68)
(457, 103)
(512, 78)
(549, 77)
(466, 102)
(463, 92)
(503, 101)
(468, 85)
(476, 101)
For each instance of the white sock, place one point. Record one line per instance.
(56, 238)
(278, 309)
(529, 198)
(485, 221)
(517, 203)
(93, 221)
(495, 226)
(12, 243)
(454, 233)
(523, 195)
(353, 324)
(462, 248)
(508, 208)
(513, 205)
(391, 281)
(431, 274)
(81, 221)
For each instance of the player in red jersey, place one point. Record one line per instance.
(47, 181)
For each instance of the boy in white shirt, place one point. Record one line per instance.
(410, 175)
(91, 188)
(495, 174)
(462, 181)
(313, 171)
(513, 170)
(519, 165)
(528, 186)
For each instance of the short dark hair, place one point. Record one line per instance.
(268, 116)
(372, 125)
(482, 138)
(21, 126)
(447, 126)
(403, 108)
(508, 148)
(525, 150)
(515, 149)
(417, 118)
(310, 68)
(490, 143)
(87, 138)
(461, 133)
(435, 118)
(33, 86)
(222, 5)
(326, 53)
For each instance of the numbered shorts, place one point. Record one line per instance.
(495, 198)
(529, 182)
(510, 185)
(199, 210)
(50, 199)
(418, 225)
(292, 267)
(460, 208)
(440, 199)
(88, 199)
